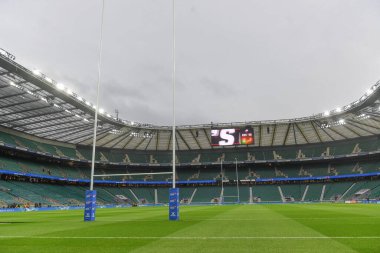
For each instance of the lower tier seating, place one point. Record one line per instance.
(28, 193)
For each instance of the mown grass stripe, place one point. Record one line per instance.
(192, 237)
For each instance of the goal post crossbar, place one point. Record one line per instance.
(133, 174)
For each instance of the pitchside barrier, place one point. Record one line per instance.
(62, 208)
(116, 183)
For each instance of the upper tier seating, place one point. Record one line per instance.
(215, 155)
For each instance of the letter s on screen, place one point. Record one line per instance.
(227, 136)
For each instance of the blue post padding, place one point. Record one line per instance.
(174, 204)
(90, 206)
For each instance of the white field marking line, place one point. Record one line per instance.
(106, 219)
(290, 218)
(193, 237)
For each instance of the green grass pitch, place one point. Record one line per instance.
(233, 228)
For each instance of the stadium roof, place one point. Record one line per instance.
(35, 104)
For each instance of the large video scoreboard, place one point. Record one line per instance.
(232, 136)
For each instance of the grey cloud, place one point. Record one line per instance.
(217, 87)
(236, 60)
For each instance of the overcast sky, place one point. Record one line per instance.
(237, 60)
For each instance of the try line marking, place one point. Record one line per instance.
(193, 237)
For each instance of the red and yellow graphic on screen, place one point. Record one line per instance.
(246, 137)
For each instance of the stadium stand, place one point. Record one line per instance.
(45, 154)
(266, 193)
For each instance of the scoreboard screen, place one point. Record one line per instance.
(232, 136)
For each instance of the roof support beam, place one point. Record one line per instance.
(208, 137)
(97, 136)
(300, 130)
(362, 123)
(125, 145)
(139, 143)
(176, 142)
(375, 119)
(59, 130)
(260, 135)
(170, 138)
(324, 130)
(340, 134)
(45, 129)
(25, 110)
(361, 128)
(316, 131)
(45, 121)
(180, 135)
(62, 137)
(147, 145)
(294, 134)
(157, 138)
(352, 130)
(79, 140)
(85, 135)
(273, 134)
(104, 136)
(29, 117)
(195, 138)
(122, 137)
(11, 95)
(286, 135)
(376, 114)
(19, 103)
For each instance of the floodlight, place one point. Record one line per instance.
(60, 86)
(80, 98)
(101, 110)
(369, 92)
(326, 113)
(48, 79)
(338, 109)
(70, 92)
(341, 121)
(37, 72)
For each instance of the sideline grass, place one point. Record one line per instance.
(237, 228)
